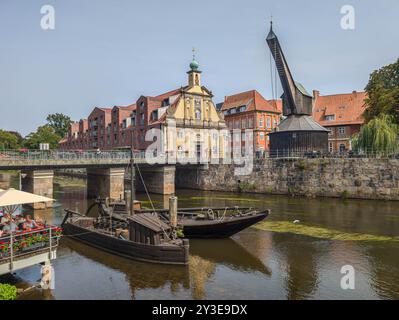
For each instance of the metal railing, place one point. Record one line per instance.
(17, 244)
(11, 155)
(372, 154)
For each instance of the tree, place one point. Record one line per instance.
(383, 92)
(8, 140)
(59, 122)
(379, 135)
(44, 134)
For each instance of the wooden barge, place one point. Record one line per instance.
(143, 237)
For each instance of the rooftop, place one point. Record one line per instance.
(252, 100)
(343, 109)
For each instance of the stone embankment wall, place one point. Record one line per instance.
(346, 178)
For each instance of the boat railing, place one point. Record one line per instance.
(17, 244)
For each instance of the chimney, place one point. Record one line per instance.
(354, 93)
(316, 94)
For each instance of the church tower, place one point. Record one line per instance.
(194, 75)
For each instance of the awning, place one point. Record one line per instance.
(12, 197)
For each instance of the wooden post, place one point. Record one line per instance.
(128, 200)
(132, 189)
(173, 211)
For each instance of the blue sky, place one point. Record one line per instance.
(106, 53)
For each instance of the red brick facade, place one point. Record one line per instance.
(249, 110)
(342, 114)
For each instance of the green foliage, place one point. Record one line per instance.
(8, 292)
(301, 165)
(380, 135)
(8, 140)
(180, 233)
(245, 186)
(383, 92)
(345, 194)
(44, 134)
(59, 122)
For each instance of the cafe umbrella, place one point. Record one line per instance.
(11, 198)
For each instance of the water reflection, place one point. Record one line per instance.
(139, 275)
(299, 260)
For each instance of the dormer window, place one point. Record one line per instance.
(330, 117)
(242, 108)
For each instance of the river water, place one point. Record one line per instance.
(254, 264)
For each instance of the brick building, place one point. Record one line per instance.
(187, 118)
(250, 110)
(342, 114)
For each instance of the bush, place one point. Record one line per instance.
(8, 292)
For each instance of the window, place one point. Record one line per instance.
(251, 123)
(342, 147)
(197, 109)
(180, 134)
(268, 123)
(243, 136)
(341, 130)
(241, 108)
(330, 117)
(197, 114)
(243, 123)
(165, 102)
(154, 115)
(330, 147)
(261, 136)
(261, 122)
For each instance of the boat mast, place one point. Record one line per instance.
(132, 174)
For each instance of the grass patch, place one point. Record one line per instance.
(319, 232)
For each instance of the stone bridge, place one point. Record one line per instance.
(106, 171)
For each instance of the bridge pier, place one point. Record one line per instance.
(39, 182)
(158, 179)
(105, 183)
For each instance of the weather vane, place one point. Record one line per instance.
(193, 50)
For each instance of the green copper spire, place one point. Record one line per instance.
(194, 65)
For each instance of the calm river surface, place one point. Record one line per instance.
(253, 264)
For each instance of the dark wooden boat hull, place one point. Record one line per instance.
(216, 229)
(166, 254)
(207, 228)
